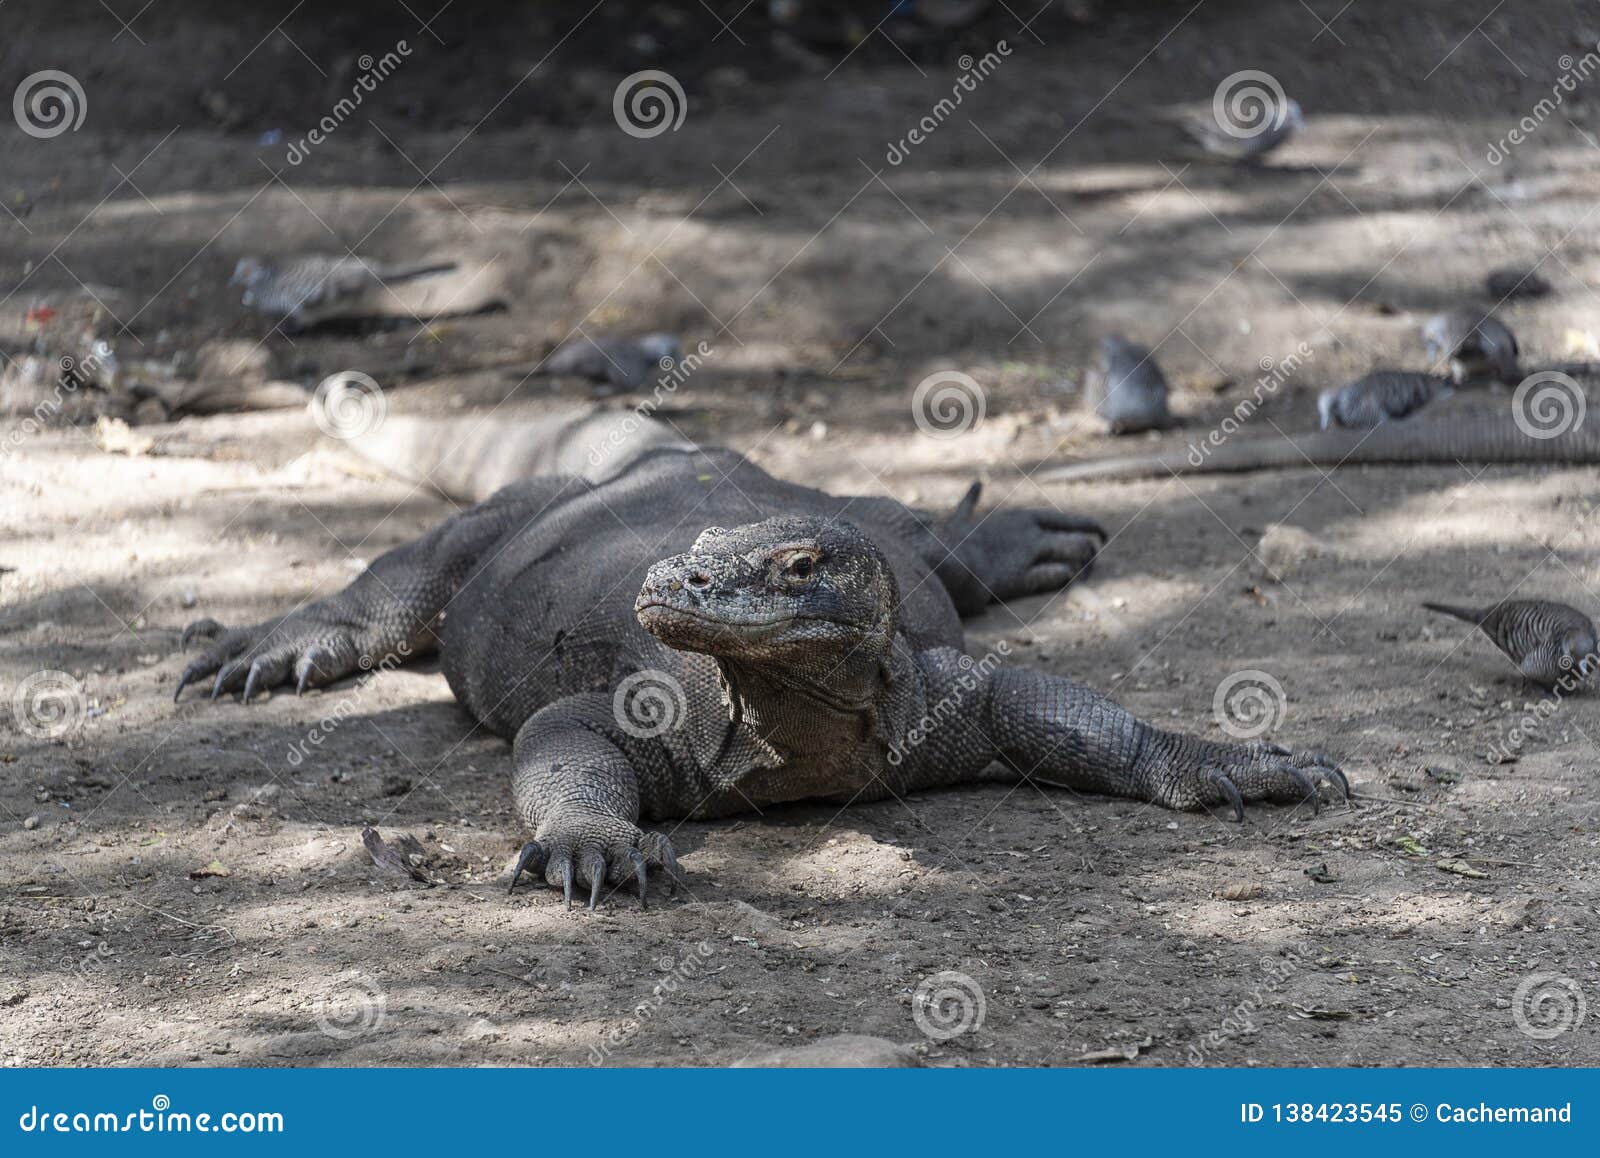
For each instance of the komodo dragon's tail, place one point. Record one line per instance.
(469, 457)
(1470, 439)
(1471, 615)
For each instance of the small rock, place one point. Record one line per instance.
(31, 823)
(842, 1051)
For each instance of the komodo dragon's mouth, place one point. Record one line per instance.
(664, 612)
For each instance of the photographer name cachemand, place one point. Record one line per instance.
(1484, 1112)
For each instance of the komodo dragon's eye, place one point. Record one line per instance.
(796, 567)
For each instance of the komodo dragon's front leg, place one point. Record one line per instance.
(1056, 731)
(387, 615)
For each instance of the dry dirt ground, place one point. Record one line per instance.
(187, 885)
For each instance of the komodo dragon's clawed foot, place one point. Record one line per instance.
(578, 849)
(251, 659)
(1234, 774)
(1015, 552)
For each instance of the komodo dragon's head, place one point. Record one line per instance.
(807, 597)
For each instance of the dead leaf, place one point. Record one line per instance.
(1313, 1013)
(403, 858)
(215, 869)
(1462, 869)
(1241, 891)
(1412, 846)
(1322, 874)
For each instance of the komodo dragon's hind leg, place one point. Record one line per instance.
(1011, 552)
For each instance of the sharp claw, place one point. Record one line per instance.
(532, 857)
(1232, 793)
(1308, 786)
(594, 890)
(567, 876)
(642, 871)
(305, 678)
(205, 627)
(251, 682)
(216, 688)
(178, 691)
(671, 860)
(1335, 775)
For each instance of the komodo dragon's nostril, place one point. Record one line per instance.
(699, 579)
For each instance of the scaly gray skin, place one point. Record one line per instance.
(1475, 347)
(626, 363)
(1506, 284)
(1481, 438)
(1126, 388)
(1549, 642)
(302, 291)
(1379, 397)
(1204, 129)
(649, 668)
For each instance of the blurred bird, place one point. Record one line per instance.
(1476, 348)
(626, 363)
(1126, 388)
(304, 291)
(1378, 397)
(1245, 143)
(1547, 641)
(1504, 284)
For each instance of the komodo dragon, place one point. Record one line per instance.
(1481, 438)
(695, 638)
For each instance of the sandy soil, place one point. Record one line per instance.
(187, 884)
